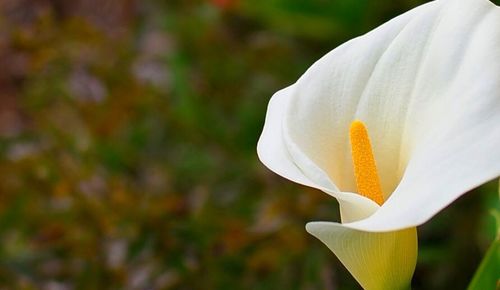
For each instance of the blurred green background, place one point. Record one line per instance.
(127, 148)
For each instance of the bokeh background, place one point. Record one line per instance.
(127, 148)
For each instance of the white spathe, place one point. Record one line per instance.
(427, 86)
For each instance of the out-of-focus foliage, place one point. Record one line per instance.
(127, 148)
(487, 275)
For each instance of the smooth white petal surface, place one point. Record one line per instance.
(427, 86)
(271, 148)
(378, 261)
(273, 152)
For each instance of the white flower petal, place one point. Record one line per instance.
(427, 86)
(439, 176)
(359, 79)
(355, 207)
(456, 141)
(273, 152)
(378, 261)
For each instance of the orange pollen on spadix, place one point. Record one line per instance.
(365, 169)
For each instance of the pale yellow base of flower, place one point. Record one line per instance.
(378, 261)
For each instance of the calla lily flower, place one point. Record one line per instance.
(396, 125)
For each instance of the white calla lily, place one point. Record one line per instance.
(427, 87)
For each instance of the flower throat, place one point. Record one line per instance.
(365, 169)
